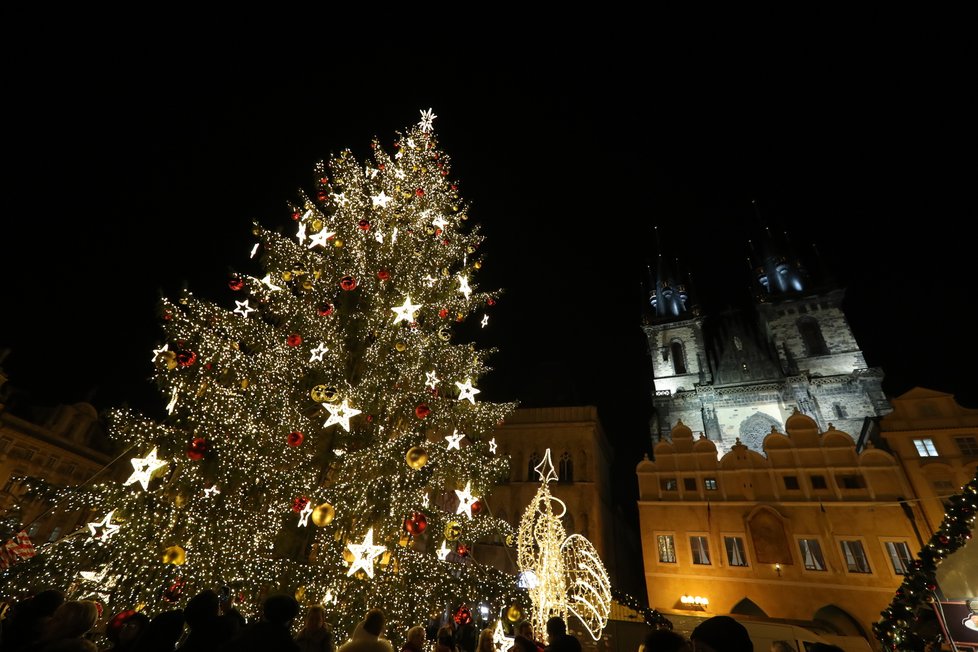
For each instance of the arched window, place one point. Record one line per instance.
(678, 357)
(811, 336)
(531, 472)
(566, 471)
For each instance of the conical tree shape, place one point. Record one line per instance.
(324, 432)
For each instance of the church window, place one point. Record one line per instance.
(566, 472)
(811, 336)
(967, 445)
(710, 484)
(678, 358)
(669, 484)
(667, 548)
(840, 411)
(701, 550)
(531, 472)
(925, 447)
(818, 482)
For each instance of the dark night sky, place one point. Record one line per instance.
(129, 174)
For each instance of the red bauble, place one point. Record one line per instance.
(491, 301)
(198, 448)
(383, 275)
(173, 592)
(348, 283)
(294, 339)
(364, 225)
(445, 242)
(462, 550)
(462, 615)
(416, 523)
(322, 195)
(422, 411)
(419, 192)
(296, 215)
(324, 181)
(325, 309)
(443, 313)
(117, 621)
(236, 283)
(299, 504)
(476, 507)
(186, 358)
(294, 438)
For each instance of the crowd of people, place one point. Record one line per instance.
(48, 622)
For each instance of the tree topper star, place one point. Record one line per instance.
(467, 391)
(144, 468)
(465, 500)
(405, 312)
(103, 530)
(364, 554)
(454, 440)
(427, 117)
(340, 414)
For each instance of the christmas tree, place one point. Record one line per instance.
(323, 434)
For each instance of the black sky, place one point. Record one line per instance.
(131, 172)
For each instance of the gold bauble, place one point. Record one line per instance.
(300, 593)
(514, 613)
(174, 555)
(315, 226)
(244, 383)
(416, 457)
(323, 514)
(477, 265)
(318, 393)
(453, 530)
(286, 275)
(445, 333)
(307, 284)
(400, 346)
(348, 556)
(171, 363)
(511, 540)
(337, 243)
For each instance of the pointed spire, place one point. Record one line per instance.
(668, 296)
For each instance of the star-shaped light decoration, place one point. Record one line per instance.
(431, 380)
(465, 500)
(406, 311)
(211, 491)
(427, 118)
(144, 468)
(425, 502)
(467, 391)
(340, 414)
(463, 286)
(429, 280)
(340, 199)
(317, 353)
(546, 469)
(100, 577)
(157, 352)
(364, 554)
(254, 250)
(370, 172)
(320, 239)
(301, 234)
(443, 551)
(243, 308)
(305, 514)
(173, 401)
(454, 440)
(267, 280)
(492, 445)
(500, 641)
(485, 320)
(380, 200)
(103, 530)
(439, 222)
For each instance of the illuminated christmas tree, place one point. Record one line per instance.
(323, 434)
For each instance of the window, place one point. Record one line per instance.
(736, 555)
(710, 484)
(925, 447)
(790, 482)
(943, 485)
(851, 481)
(811, 554)
(818, 482)
(689, 484)
(667, 548)
(839, 410)
(967, 445)
(566, 472)
(531, 473)
(701, 550)
(678, 358)
(899, 553)
(855, 556)
(668, 484)
(54, 534)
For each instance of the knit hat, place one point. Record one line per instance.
(723, 634)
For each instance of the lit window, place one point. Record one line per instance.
(710, 484)
(667, 549)
(701, 550)
(967, 445)
(925, 447)
(855, 556)
(811, 554)
(669, 484)
(736, 555)
(899, 553)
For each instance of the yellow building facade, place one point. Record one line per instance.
(809, 529)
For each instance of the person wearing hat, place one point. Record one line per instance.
(720, 634)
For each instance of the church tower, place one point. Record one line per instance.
(735, 374)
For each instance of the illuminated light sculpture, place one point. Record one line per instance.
(144, 468)
(569, 575)
(364, 554)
